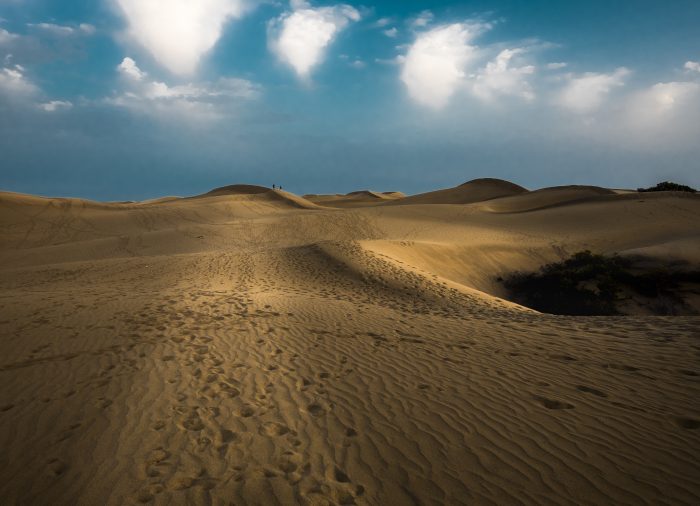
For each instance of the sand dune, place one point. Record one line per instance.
(472, 191)
(547, 197)
(237, 189)
(250, 346)
(360, 198)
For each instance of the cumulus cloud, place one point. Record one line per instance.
(673, 94)
(129, 69)
(87, 28)
(179, 32)
(13, 82)
(660, 116)
(556, 65)
(422, 20)
(382, 22)
(55, 105)
(692, 66)
(45, 42)
(300, 38)
(662, 101)
(391, 32)
(64, 30)
(17, 90)
(6, 37)
(205, 99)
(434, 66)
(500, 77)
(586, 93)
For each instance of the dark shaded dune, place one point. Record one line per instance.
(360, 198)
(236, 189)
(496, 183)
(559, 196)
(254, 193)
(364, 193)
(477, 190)
(547, 197)
(375, 195)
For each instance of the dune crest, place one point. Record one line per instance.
(476, 190)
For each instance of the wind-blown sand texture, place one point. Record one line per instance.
(255, 347)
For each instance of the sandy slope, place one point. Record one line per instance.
(259, 348)
(476, 190)
(361, 198)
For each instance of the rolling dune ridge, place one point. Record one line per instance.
(250, 346)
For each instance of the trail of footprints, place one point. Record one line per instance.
(232, 414)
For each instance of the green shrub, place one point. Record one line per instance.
(591, 284)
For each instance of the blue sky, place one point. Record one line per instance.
(130, 99)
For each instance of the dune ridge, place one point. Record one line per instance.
(476, 190)
(250, 346)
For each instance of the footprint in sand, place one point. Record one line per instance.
(273, 429)
(57, 467)
(193, 422)
(589, 390)
(246, 412)
(688, 423)
(315, 409)
(552, 403)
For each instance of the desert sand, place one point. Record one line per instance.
(251, 346)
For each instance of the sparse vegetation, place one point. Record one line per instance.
(591, 284)
(668, 186)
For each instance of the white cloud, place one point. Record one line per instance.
(587, 93)
(22, 92)
(434, 66)
(422, 20)
(6, 37)
(179, 32)
(500, 78)
(87, 28)
(556, 65)
(228, 87)
(391, 32)
(55, 105)
(45, 42)
(129, 69)
(59, 30)
(358, 64)
(663, 116)
(673, 93)
(663, 97)
(382, 22)
(300, 38)
(205, 99)
(14, 82)
(692, 66)
(64, 30)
